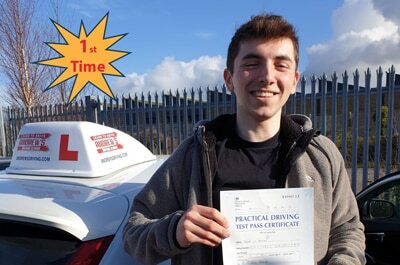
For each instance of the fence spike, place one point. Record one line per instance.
(224, 88)
(334, 76)
(392, 69)
(345, 75)
(368, 72)
(356, 73)
(303, 79)
(379, 71)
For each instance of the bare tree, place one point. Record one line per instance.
(65, 87)
(21, 43)
(62, 90)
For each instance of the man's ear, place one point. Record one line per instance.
(228, 80)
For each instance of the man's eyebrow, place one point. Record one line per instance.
(251, 56)
(283, 58)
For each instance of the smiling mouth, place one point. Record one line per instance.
(263, 93)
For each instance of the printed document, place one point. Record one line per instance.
(269, 226)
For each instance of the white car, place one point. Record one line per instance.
(67, 193)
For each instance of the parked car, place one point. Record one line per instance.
(67, 193)
(379, 206)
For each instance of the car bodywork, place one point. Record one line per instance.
(74, 179)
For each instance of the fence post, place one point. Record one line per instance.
(322, 112)
(354, 145)
(378, 114)
(345, 108)
(303, 95)
(2, 133)
(143, 112)
(313, 107)
(164, 121)
(185, 115)
(91, 108)
(367, 105)
(334, 107)
(389, 128)
(157, 108)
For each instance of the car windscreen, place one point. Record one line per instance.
(26, 243)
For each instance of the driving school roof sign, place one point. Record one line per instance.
(74, 149)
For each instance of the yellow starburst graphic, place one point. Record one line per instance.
(86, 57)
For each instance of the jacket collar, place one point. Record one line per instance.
(292, 127)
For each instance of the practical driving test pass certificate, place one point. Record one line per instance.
(269, 226)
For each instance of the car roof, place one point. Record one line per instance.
(378, 182)
(118, 182)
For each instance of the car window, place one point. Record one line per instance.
(24, 243)
(383, 203)
(391, 194)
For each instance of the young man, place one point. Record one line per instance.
(177, 216)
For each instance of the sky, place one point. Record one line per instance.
(177, 44)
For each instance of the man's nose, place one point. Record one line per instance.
(267, 73)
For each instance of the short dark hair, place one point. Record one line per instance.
(265, 26)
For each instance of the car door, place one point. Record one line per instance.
(380, 213)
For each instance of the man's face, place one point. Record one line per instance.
(263, 78)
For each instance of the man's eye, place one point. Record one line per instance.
(282, 66)
(252, 64)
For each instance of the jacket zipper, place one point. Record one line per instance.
(207, 167)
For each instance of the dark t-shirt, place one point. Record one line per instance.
(244, 165)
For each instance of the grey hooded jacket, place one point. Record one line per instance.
(185, 179)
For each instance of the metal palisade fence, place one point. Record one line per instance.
(362, 118)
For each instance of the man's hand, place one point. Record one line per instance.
(201, 224)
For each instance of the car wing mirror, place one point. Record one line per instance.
(378, 209)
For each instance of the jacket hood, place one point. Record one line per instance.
(302, 120)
